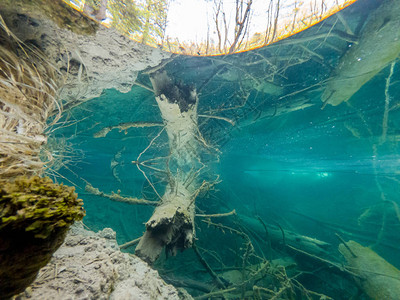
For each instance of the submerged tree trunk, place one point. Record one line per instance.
(172, 223)
(378, 46)
(376, 277)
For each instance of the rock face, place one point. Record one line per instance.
(102, 60)
(91, 266)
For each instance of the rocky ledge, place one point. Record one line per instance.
(88, 62)
(90, 266)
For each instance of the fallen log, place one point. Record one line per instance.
(172, 223)
(378, 46)
(376, 277)
(282, 237)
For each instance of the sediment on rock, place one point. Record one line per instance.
(88, 62)
(90, 266)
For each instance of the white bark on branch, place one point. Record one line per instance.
(172, 223)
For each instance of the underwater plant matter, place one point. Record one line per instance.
(38, 205)
(35, 215)
(28, 88)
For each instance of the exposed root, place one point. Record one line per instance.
(28, 96)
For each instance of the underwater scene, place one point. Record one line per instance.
(271, 173)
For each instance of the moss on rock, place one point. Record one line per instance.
(38, 205)
(35, 215)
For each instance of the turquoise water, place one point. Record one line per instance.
(285, 161)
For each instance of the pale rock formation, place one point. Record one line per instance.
(90, 266)
(105, 60)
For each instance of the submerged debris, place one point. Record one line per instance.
(35, 214)
(124, 127)
(378, 46)
(378, 278)
(117, 197)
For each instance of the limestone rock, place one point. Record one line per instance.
(91, 266)
(88, 64)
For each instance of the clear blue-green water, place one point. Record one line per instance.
(317, 172)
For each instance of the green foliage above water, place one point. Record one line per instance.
(144, 21)
(38, 205)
